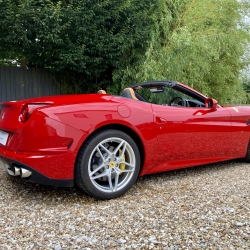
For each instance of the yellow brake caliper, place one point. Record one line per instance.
(122, 165)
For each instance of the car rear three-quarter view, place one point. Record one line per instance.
(103, 142)
(62, 140)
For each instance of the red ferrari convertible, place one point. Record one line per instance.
(104, 142)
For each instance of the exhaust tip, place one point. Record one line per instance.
(16, 171)
(24, 173)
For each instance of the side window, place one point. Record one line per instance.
(157, 96)
(168, 96)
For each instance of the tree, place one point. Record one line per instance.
(112, 44)
(200, 43)
(81, 36)
(246, 86)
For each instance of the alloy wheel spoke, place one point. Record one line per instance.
(116, 180)
(118, 147)
(104, 173)
(123, 151)
(97, 169)
(110, 182)
(105, 149)
(126, 170)
(99, 151)
(127, 164)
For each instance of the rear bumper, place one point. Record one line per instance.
(25, 172)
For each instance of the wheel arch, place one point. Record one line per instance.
(122, 128)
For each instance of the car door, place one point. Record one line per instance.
(192, 133)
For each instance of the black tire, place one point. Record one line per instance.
(247, 158)
(108, 164)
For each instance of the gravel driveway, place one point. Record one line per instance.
(206, 207)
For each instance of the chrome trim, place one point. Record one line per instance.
(16, 171)
(24, 173)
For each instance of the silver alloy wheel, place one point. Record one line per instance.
(111, 164)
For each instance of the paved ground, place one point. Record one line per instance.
(206, 207)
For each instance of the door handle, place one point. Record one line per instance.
(160, 120)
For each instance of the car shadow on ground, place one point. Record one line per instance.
(25, 189)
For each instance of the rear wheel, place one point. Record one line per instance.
(108, 164)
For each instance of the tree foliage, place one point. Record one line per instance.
(200, 43)
(116, 43)
(246, 86)
(81, 36)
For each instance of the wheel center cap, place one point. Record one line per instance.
(112, 164)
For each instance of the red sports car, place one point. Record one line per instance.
(104, 142)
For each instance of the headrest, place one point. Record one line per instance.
(129, 93)
(101, 91)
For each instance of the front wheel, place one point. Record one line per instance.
(108, 164)
(247, 157)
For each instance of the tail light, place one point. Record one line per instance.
(28, 109)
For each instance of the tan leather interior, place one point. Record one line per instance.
(129, 92)
(101, 91)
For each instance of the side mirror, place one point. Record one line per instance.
(211, 104)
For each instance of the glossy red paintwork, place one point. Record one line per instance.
(171, 137)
